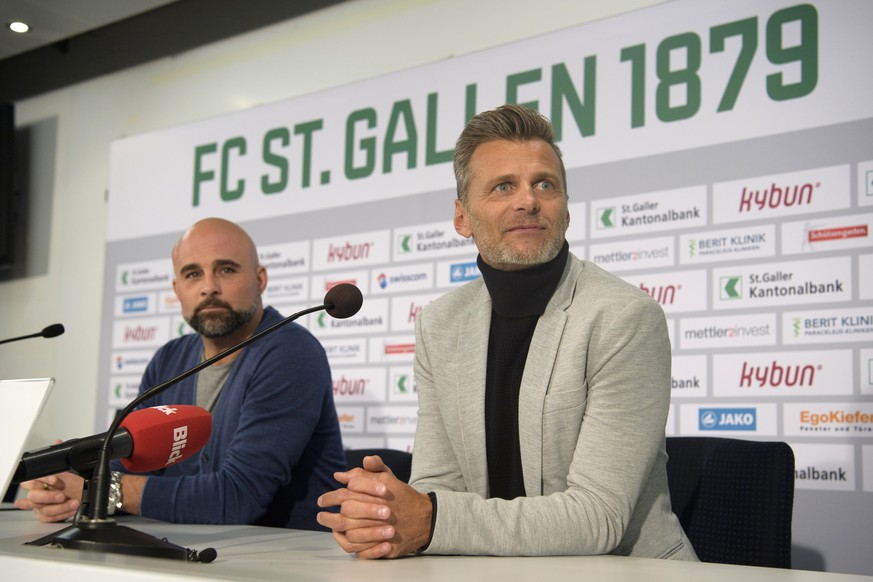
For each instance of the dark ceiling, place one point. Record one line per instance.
(167, 30)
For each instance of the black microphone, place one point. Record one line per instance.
(54, 330)
(79, 455)
(144, 441)
(93, 529)
(344, 300)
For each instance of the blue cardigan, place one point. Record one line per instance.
(275, 440)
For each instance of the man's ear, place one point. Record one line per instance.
(461, 220)
(262, 279)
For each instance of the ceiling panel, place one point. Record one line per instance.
(53, 20)
(104, 44)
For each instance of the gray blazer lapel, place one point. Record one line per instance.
(541, 358)
(473, 355)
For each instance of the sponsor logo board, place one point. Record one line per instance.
(398, 348)
(351, 419)
(867, 467)
(415, 277)
(151, 332)
(401, 384)
(372, 318)
(430, 241)
(143, 276)
(865, 277)
(769, 374)
(392, 419)
(345, 351)
(405, 309)
(865, 372)
(457, 272)
(400, 443)
(576, 228)
(358, 385)
(854, 324)
(785, 283)
(130, 305)
(285, 259)
(833, 233)
(636, 254)
(321, 284)
(794, 193)
(727, 332)
(689, 377)
(286, 289)
(824, 467)
(123, 389)
(675, 292)
(727, 245)
(727, 420)
(865, 183)
(664, 211)
(179, 327)
(351, 251)
(168, 302)
(579, 250)
(828, 419)
(130, 361)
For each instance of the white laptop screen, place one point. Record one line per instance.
(20, 404)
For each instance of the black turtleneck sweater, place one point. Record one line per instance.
(518, 299)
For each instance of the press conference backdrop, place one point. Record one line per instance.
(719, 156)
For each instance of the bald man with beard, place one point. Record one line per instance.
(275, 440)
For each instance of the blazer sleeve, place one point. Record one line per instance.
(623, 402)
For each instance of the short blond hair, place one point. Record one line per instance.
(507, 122)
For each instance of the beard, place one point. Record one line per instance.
(498, 254)
(216, 325)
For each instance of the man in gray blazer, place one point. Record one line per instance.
(543, 387)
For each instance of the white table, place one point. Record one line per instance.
(259, 553)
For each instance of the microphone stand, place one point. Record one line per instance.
(92, 527)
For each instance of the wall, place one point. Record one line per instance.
(347, 43)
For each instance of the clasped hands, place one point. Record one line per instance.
(379, 515)
(52, 498)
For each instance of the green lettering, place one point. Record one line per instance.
(239, 144)
(432, 156)
(201, 175)
(306, 130)
(636, 55)
(282, 135)
(470, 100)
(673, 81)
(563, 91)
(513, 82)
(803, 55)
(747, 31)
(401, 110)
(367, 145)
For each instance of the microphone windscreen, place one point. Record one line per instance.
(53, 330)
(345, 300)
(207, 556)
(164, 435)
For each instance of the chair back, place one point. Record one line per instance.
(734, 498)
(400, 462)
